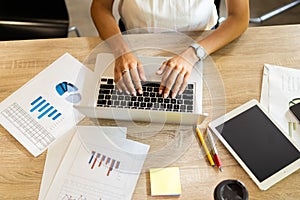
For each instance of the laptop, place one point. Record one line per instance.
(101, 99)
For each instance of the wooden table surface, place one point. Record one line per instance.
(237, 67)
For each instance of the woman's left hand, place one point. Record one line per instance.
(176, 72)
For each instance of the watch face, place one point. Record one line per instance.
(200, 53)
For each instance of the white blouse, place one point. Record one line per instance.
(179, 15)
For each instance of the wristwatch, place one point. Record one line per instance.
(199, 50)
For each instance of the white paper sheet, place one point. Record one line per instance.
(281, 85)
(42, 110)
(57, 150)
(113, 175)
(55, 154)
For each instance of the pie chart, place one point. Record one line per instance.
(69, 91)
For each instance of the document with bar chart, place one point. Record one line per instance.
(97, 166)
(57, 151)
(42, 110)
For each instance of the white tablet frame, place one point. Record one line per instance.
(267, 183)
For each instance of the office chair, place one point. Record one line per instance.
(274, 12)
(34, 19)
(217, 4)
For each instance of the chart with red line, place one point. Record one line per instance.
(98, 159)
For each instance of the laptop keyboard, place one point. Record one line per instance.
(109, 96)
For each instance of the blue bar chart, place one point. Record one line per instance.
(44, 108)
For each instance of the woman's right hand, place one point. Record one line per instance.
(128, 74)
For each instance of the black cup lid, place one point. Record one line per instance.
(230, 190)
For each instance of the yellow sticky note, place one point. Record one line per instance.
(165, 181)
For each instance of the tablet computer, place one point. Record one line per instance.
(257, 143)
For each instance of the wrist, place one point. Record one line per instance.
(199, 51)
(118, 45)
(191, 55)
(120, 50)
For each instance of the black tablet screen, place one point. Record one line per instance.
(258, 142)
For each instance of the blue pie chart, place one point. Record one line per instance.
(68, 90)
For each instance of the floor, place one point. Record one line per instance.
(79, 12)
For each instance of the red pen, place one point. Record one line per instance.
(214, 150)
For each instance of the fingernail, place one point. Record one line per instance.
(174, 95)
(140, 91)
(159, 91)
(134, 93)
(165, 95)
(127, 92)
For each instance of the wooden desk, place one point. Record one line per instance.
(240, 65)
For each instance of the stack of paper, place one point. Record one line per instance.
(99, 163)
(42, 110)
(281, 85)
(82, 162)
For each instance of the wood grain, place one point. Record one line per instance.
(238, 66)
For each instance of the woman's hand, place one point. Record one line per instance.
(128, 74)
(176, 72)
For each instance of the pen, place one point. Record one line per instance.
(214, 150)
(210, 159)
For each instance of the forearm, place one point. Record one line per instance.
(107, 27)
(235, 24)
(227, 32)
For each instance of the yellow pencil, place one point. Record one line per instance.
(210, 159)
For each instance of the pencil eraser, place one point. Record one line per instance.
(165, 181)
